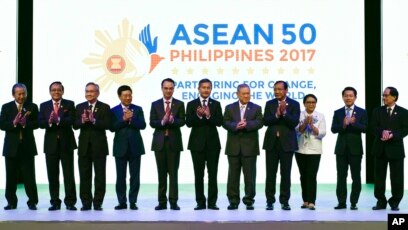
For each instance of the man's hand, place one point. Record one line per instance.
(17, 118)
(242, 124)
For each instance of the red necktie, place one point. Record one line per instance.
(56, 107)
(166, 132)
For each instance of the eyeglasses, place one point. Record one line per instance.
(386, 95)
(310, 102)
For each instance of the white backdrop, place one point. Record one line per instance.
(8, 41)
(315, 45)
(395, 53)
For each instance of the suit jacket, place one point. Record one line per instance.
(351, 135)
(204, 131)
(245, 141)
(397, 123)
(12, 137)
(127, 135)
(62, 131)
(285, 125)
(156, 115)
(95, 134)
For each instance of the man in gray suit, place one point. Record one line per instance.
(242, 120)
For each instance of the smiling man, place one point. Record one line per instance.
(19, 118)
(390, 126)
(57, 117)
(203, 116)
(349, 122)
(242, 119)
(93, 118)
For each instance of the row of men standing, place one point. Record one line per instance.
(242, 119)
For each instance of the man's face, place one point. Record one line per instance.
(205, 89)
(19, 95)
(126, 97)
(387, 98)
(280, 91)
(244, 95)
(349, 98)
(91, 93)
(56, 92)
(167, 89)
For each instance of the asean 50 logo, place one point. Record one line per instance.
(124, 60)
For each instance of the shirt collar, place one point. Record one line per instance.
(351, 107)
(171, 100)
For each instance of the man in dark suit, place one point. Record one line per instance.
(390, 126)
(242, 120)
(167, 115)
(127, 121)
(93, 118)
(19, 118)
(203, 116)
(349, 122)
(281, 116)
(56, 117)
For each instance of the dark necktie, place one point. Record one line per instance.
(90, 107)
(204, 103)
(389, 111)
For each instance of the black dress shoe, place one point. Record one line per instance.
(304, 206)
(379, 207)
(54, 207)
(232, 207)
(133, 206)
(160, 207)
(213, 207)
(286, 207)
(340, 206)
(98, 207)
(250, 207)
(174, 207)
(10, 207)
(32, 207)
(121, 206)
(85, 208)
(395, 208)
(199, 207)
(353, 206)
(269, 206)
(72, 208)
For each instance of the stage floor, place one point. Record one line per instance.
(326, 200)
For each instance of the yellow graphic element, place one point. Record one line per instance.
(311, 70)
(296, 70)
(265, 71)
(174, 71)
(124, 60)
(220, 71)
(204, 71)
(281, 70)
(235, 71)
(190, 71)
(250, 71)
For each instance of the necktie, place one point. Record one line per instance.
(205, 103)
(20, 107)
(56, 107)
(166, 132)
(167, 107)
(389, 111)
(348, 112)
(242, 111)
(90, 108)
